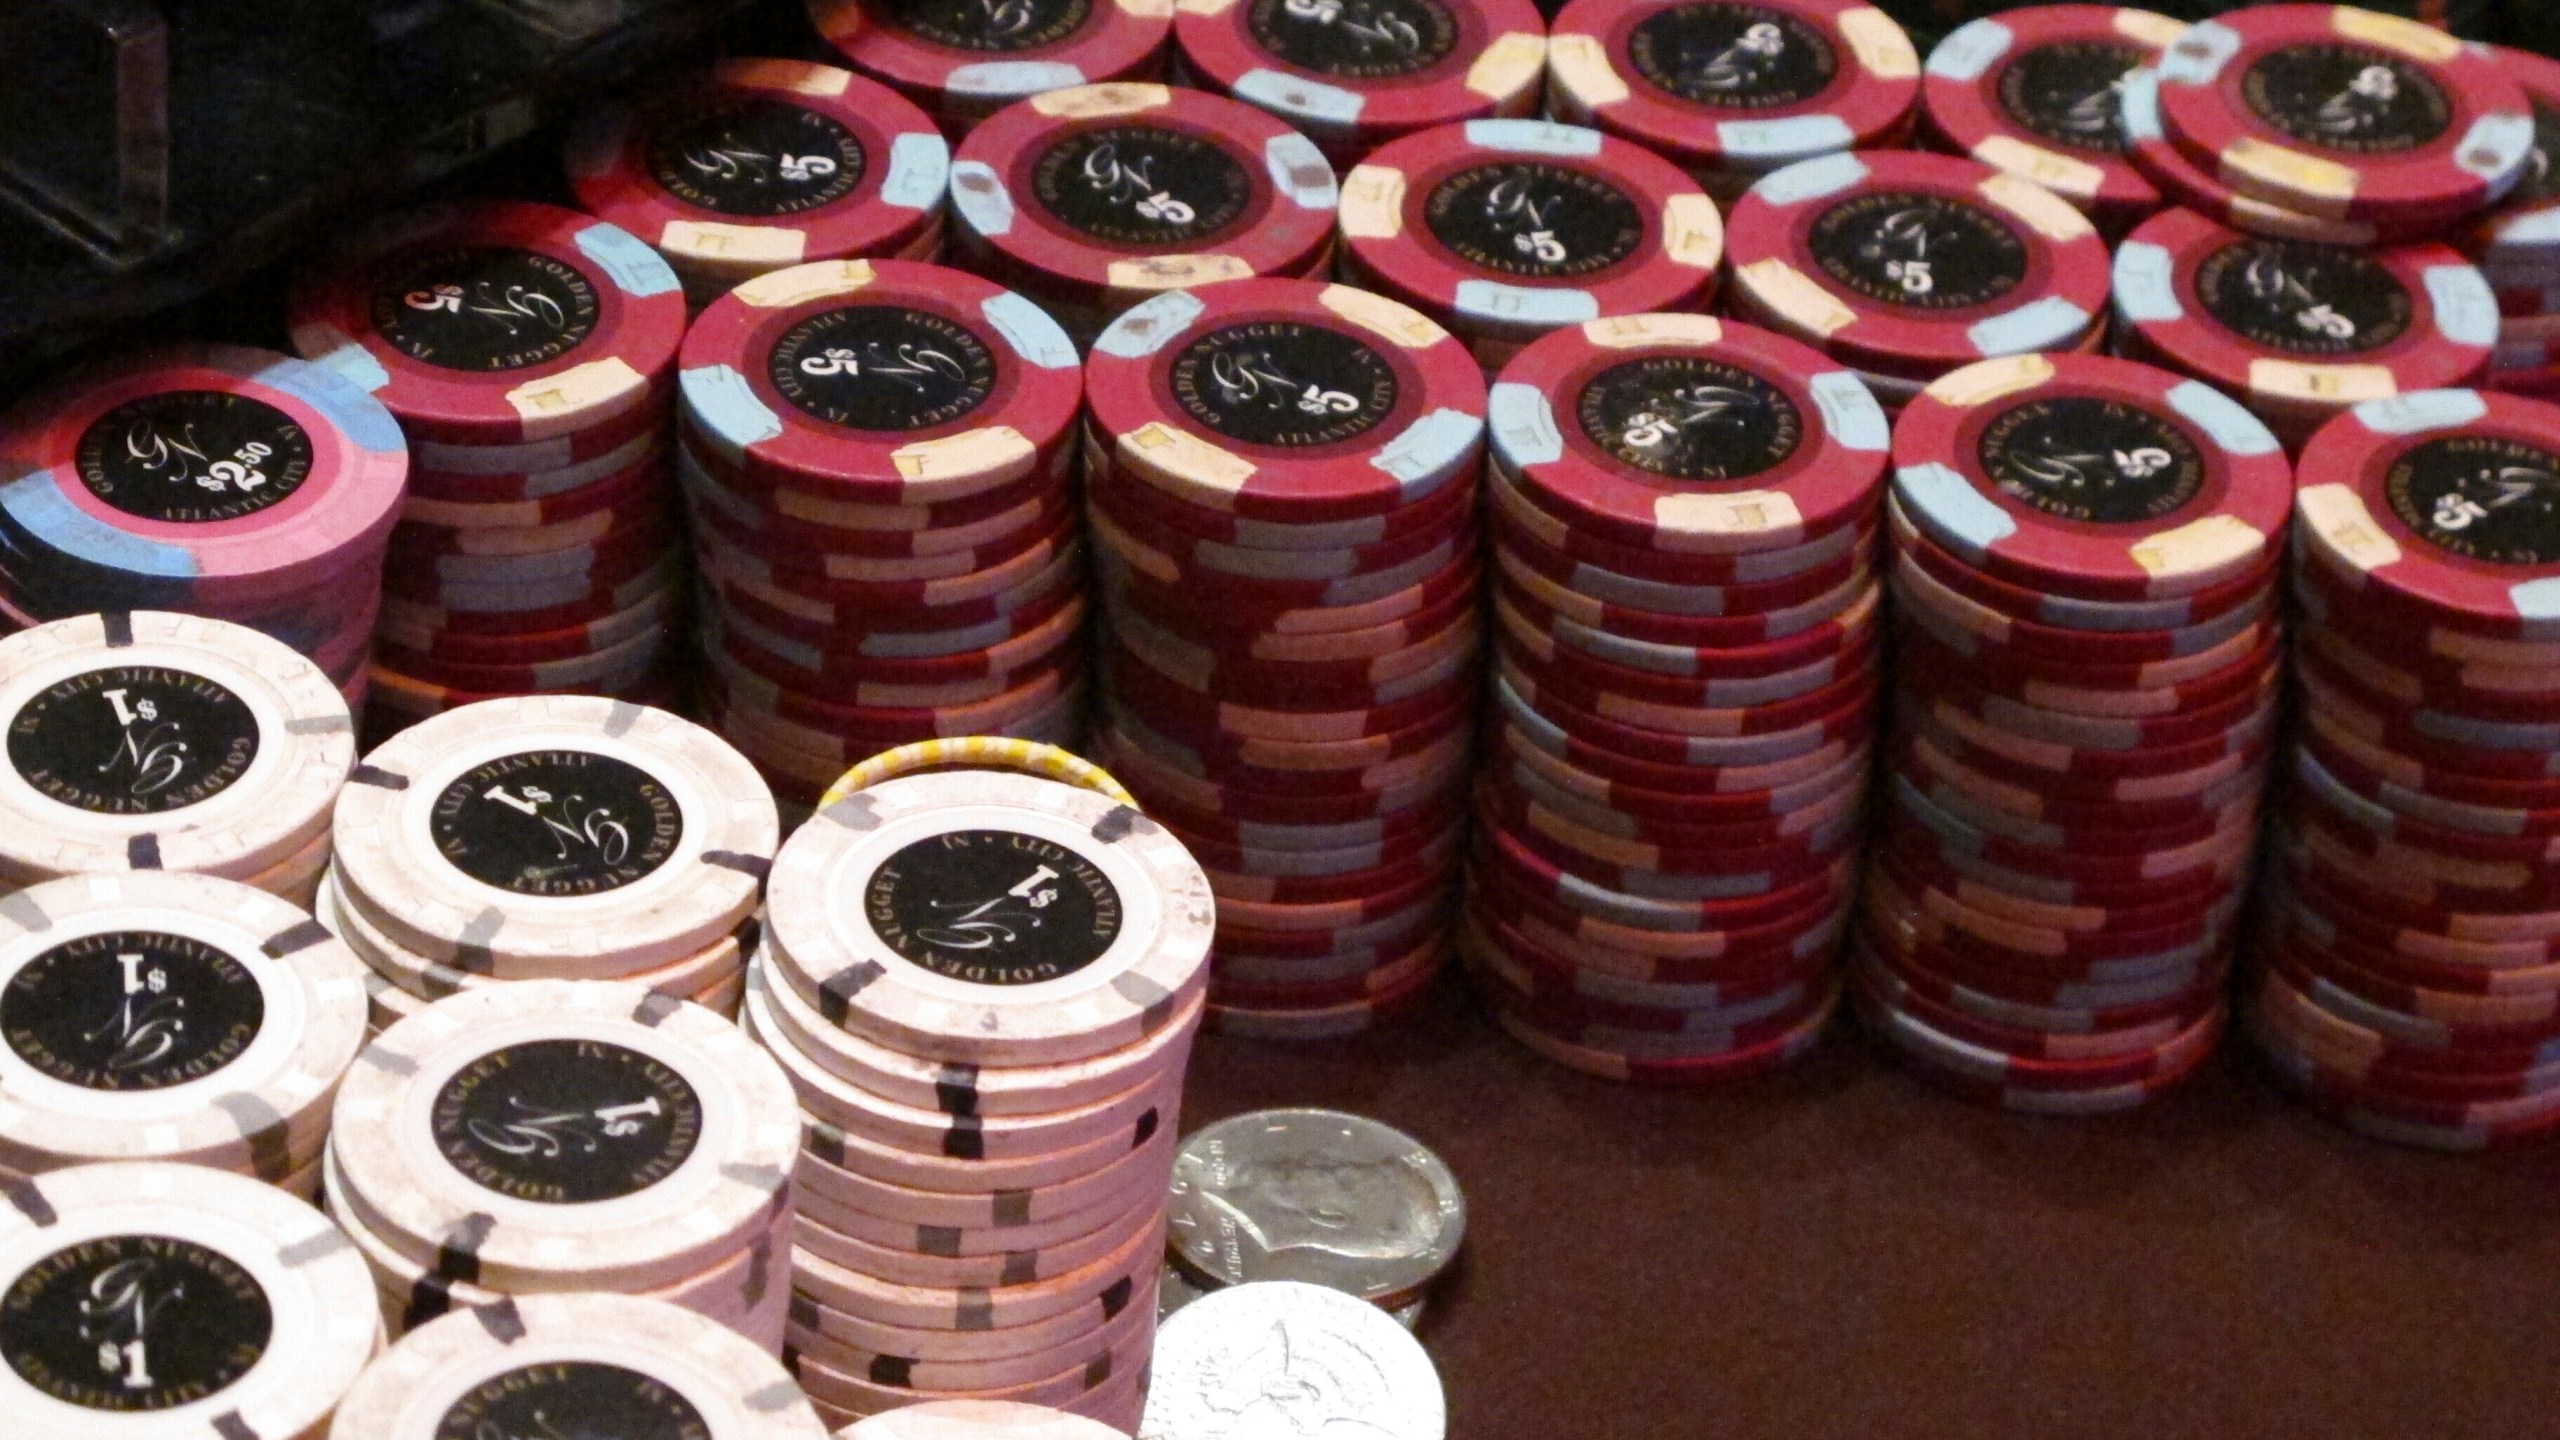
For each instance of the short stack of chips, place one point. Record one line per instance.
(1094, 199)
(529, 354)
(2296, 329)
(1503, 230)
(2517, 245)
(2034, 92)
(1354, 77)
(1281, 481)
(760, 165)
(2085, 565)
(1731, 92)
(961, 66)
(189, 1301)
(2328, 123)
(151, 741)
(1672, 796)
(1904, 266)
(211, 480)
(567, 1135)
(2409, 982)
(877, 456)
(984, 987)
(550, 837)
(562, 1365)
(164, 1016)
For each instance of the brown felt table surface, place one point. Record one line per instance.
(1838, 1251)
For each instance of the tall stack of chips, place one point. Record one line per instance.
(2085, 556)
(529, 354)
(1684, 517)
(984, 988)
(877, 456)
(1281, 478)
(2409, 982)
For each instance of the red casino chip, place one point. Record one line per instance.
(1095, 198)
(2522, 236)
(2034, 92)
(2345, 114)
(2183, 182)
(2301, 330)
(2429, 507)
(1910, 264)
(1685, 434)
(1508, 229)
(879, 382)
(496, 323)
(1739, 87)
(763, 164)
(1356, 75)
(962, 62)
(1287, 400)
(2093, 477)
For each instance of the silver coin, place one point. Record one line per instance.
(1314, 1195)
(1178, 1287)
(1278, 1358)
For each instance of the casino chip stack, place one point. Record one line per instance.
(551, 837)
(529, 354)
(2085, 557)
(1731, 90)
(2517, 245)
(878, 460)
(148, 741)
(759, 165)
(1904, 266)
(1281, 484)
(1502, 230)
(154, 1300)
(984, 987)
(2409, 982)
(2296, 329)
(567, 1135)
(1093, 199)
(2034, 92)
(212, 480)
(171, 1017)
(962, 65)
(562, 1365)
(2329, 123)
(1669, 812)
(1354, 77)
